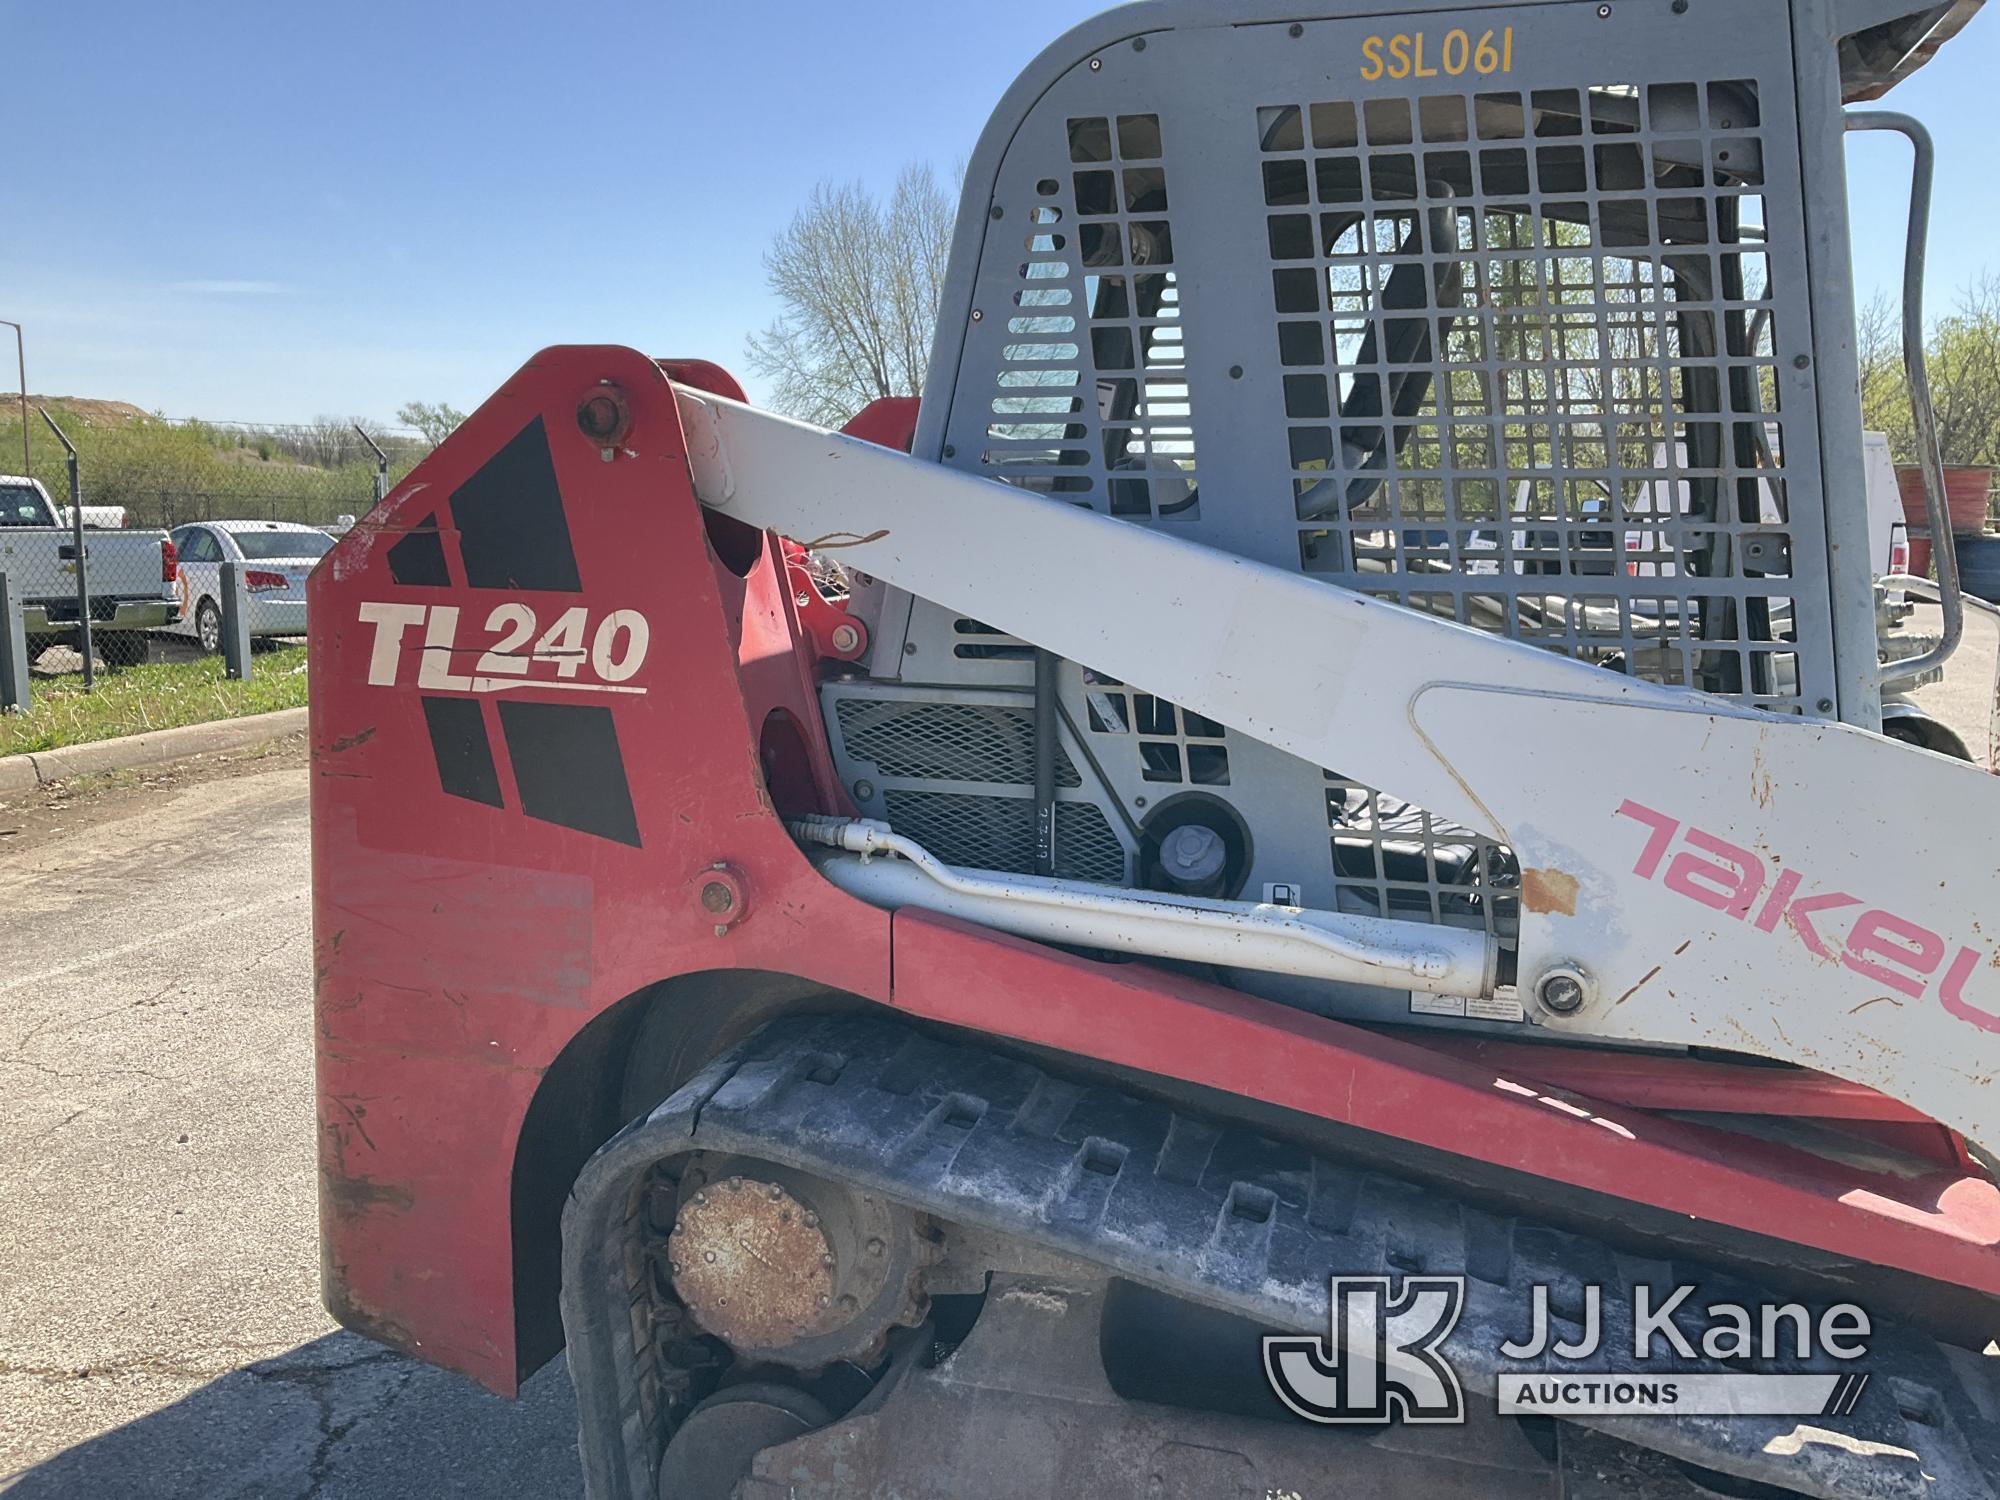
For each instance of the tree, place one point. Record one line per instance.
(436, 423)
(859, 281)
(1962, 354)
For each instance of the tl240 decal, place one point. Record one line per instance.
(573, 654)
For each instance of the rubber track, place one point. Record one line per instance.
(1207, 1212)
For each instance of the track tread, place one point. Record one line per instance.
(1227, 1217)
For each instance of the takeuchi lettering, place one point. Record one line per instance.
(1902, 955)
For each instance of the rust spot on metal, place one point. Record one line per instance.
(1549, 891)
(349, 741)
(1644, 979)
(751, 1263)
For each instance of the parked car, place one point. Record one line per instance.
(131, 574)
(276, 557)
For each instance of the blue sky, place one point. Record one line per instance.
(269, 212)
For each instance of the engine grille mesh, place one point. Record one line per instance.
(998, 833)
(946, 741)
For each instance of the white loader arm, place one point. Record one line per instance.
(1692, 873)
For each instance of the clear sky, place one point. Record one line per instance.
(270, 212)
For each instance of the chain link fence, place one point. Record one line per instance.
(138, 475)
(165, 473)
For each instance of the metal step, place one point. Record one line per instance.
(1212, 1214)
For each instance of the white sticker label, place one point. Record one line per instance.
(1495, 1008)
(1437, 1005)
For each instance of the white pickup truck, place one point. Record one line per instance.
(130, 573)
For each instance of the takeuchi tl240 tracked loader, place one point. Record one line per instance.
(1333, 871)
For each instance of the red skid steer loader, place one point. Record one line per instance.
(1326, 873)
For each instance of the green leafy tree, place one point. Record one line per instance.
(1962, 354)
(436, 423)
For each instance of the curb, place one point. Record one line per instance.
(23, 773)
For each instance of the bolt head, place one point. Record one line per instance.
(1561, 991)
(846, 637)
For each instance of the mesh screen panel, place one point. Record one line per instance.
(998, 833)
(1528, 369)
(1502, 315)
(946, 741)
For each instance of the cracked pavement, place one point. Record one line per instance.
(160, 1325)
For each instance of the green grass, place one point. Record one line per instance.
(159, 695)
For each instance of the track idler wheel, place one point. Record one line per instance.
(791, 1269)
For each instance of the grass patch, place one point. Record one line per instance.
(159, 695)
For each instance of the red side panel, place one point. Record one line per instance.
(1939, 1224)
(537, 704)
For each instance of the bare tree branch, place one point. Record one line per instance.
(859, 282)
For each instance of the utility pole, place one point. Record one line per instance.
(381, 463)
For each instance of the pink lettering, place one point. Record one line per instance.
(1952, 992)
(1663, 828)
(1880, 939)
(1774, 910)
(1730, 886)
(1879, 945)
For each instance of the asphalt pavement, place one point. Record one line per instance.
(160, 1326)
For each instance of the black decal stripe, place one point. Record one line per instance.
(464, 754)
(511, 529)
(568, 769)
(419, 557)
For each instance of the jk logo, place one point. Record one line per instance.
(1380, 1360)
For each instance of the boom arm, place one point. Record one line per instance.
(1802, 890)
